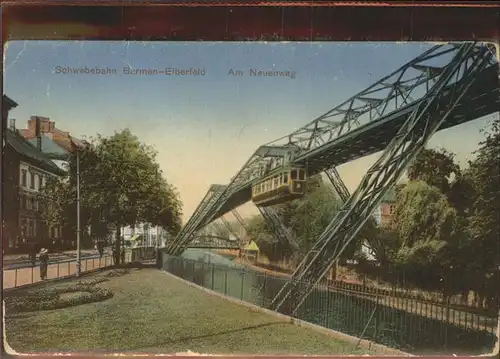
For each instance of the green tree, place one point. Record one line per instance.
(483, 220)
(435, 167)
(120, 184)
(427, 228)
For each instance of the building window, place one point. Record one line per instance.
(40, 182)
(23, 178)
(32, 180)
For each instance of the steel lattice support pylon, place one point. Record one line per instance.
(412, 137)
(338, 184)
(229, 227)
(239, 219)
(281, 233)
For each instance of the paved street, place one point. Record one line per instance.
(20, 261)
(26, 275)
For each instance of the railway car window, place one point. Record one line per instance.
(293, 174)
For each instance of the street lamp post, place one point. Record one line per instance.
(78, 229)
(78, 258)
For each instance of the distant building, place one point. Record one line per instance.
(54, 142)
(144, 234)
(383, 214)
(48, 129)
(57, 145)
(26, 171)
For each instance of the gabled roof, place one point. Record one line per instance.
(29, 151)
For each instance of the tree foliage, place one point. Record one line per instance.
(120, 184)
(435, 167)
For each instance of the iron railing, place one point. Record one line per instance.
(30, 274)
(405, 323)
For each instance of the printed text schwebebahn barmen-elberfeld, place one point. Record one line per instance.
(169, 71)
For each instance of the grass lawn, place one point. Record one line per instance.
(152, 312)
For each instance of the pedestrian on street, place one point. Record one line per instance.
(100, 248)
(44, 263)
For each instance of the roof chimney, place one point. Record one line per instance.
(38, 134)
(12, 124)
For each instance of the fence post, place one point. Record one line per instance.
(32, 275)
(225, 283)
(58, 269)
(448, 303)
(213, 276)
(69, 268)
(376, 316)
(15, 277)
(242, 283)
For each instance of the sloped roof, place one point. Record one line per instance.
(49, 146)
(7, 101)
(28, 150)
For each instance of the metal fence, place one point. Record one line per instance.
(143, 253)
(29, 274)
(400, 322)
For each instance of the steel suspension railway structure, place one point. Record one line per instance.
(445, 86)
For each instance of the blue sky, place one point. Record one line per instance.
(205, 127)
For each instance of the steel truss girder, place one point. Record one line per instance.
(209, 241)
(406, 85)
(424, 121)
(205, 206)
(280, 231)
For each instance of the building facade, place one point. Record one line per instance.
(149, 236)
(26, 171)
(384, 213)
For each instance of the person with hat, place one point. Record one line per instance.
(44, 263)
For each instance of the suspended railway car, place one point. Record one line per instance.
(280, 187)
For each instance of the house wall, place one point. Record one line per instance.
(10, 198)
(24, 222)
(32, 205)
(386, 214)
